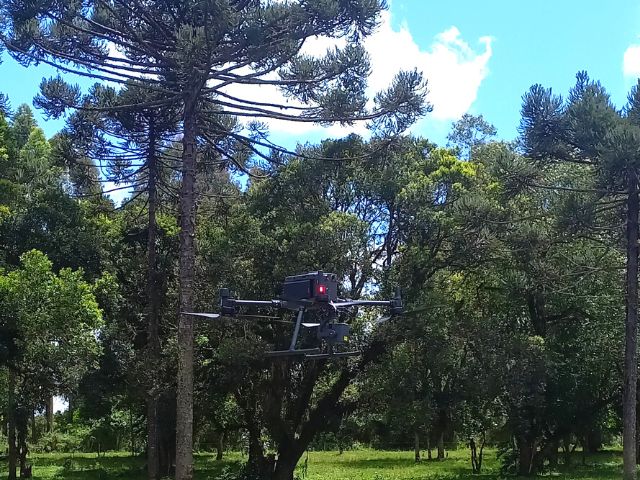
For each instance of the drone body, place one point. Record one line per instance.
(313, 287)
(313, 291)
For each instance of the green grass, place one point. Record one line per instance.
(351, 465)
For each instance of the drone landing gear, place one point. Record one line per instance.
(293, 352)
(312, 353)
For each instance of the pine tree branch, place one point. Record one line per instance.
(578, 190)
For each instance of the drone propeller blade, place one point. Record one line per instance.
(415, 311)
(265, 318)
(310, 325)
(382, 320)
(205, 315)
(346, 303)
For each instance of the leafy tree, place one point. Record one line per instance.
(5, 105)
(538, 260)
(38, 213)
(469, 133)
(328, 207)
(54, 317)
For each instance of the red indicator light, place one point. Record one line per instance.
(322, 289)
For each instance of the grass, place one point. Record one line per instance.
(351, 465)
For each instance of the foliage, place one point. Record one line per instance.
(508, 255)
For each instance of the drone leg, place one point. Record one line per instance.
(296, 330)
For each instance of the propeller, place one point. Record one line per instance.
(248, 317)
(205, 315)
(266, 318)
(310, 324)
(416, 311)
(380, 320)
(345, 303)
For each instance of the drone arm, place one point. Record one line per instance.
(395, 305)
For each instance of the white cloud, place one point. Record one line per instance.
(631, 61)
(453, 68)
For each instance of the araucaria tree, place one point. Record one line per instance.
(590, 134)
(204, 58)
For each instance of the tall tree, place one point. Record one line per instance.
(330, 207)
(133, 150)
(588, 131)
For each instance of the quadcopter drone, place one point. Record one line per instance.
(310, 292)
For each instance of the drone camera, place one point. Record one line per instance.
(336, 334)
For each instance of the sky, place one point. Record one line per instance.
(478, 57)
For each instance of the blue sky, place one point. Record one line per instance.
(479, 57)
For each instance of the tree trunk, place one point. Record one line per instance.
(441, 446)
(11, 416)
(566, 449)
(551, 454)
(631, 335)
(429, 457)
(593, 441)
(526, 452)
(25, 470)
(416, 446)
(474, 454)
(220, 446)
(153, 308)
(166, 450)
(481, 453)
(49, 413)
(284, 468)
(184, 403)
(34, 430)
(256, 463)
(132, 434)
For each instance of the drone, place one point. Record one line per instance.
(309, 292)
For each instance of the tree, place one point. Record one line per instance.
(23, 123)
(330, 206)
(54, 317)
(132, 148)
(39, 214)
(588, 131)
(470, 132)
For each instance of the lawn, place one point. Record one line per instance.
(351, 465)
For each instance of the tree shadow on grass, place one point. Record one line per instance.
(71, 467)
